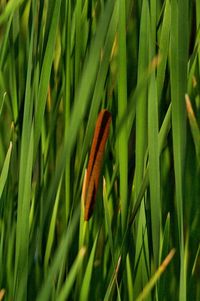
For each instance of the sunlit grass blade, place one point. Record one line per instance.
(156, 276)
(129, 277)
(196, 260)
(194, 127)
(5, 169)
(9, 10)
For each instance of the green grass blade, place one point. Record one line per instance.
(9, 10)
(122, 105)
(163, 48)
(78, 40)
(86, 284)
(129, 278)
(154, 167)
(141, 146)
(162, 139)
(197, 13)
(51, 234)
(141, 106)
(153, 146)
(178, 79)
(25, 173)
(165, 247)
(67, 107)
(22, 240)
(67, 287)
(5, 169)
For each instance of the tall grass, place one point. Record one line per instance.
(61, 62)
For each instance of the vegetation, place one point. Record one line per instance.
(61, 62)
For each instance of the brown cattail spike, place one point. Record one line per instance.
(95, 161)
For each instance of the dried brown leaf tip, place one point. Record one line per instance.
(95, 161)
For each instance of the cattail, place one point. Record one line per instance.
(95, 161)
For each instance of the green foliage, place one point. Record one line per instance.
(61, 62)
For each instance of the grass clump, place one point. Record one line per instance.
(62, 62)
